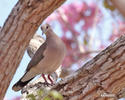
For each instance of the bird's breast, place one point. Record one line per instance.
(54, 57)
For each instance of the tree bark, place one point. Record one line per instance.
(102, 78)
(16, 33)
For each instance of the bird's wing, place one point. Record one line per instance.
(38, 56)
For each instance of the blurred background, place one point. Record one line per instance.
(85, 26)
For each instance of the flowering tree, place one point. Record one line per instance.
(78, 22)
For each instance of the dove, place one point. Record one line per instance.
(46, 60)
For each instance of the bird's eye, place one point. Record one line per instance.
(47, 27)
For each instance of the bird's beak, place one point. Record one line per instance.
(43, 30)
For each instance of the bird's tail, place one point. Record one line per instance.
(20, 84)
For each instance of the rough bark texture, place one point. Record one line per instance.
(18, 29)
(102, 78)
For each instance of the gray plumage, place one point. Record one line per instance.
(46, 60)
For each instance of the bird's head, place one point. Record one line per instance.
(45, 28)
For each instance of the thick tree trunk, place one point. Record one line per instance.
(103, 76)
(18, 29)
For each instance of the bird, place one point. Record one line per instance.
(33, 46)
(46, 60)
(60, 73)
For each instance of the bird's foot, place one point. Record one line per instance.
(47, 84)
(51, 80)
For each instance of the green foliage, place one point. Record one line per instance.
(46, 95)
(31, 97)
(56, 95)
(40, 92)
(47, 98)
